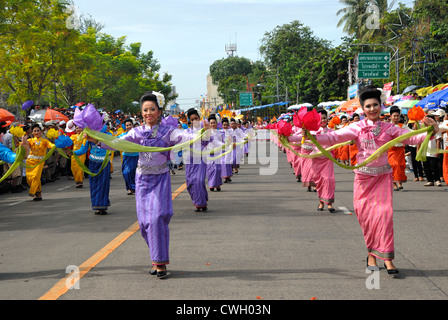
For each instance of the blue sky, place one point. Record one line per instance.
(188, 36)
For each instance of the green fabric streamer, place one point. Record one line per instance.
(86, 170)
(288, 145)
(421, 155)
(127, 146)
(246, 141)
(83, 166)
(47, 156)
(423, 149)
(437, 151)
(20, 155)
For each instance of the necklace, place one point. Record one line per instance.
(154, 131)
(377, 130)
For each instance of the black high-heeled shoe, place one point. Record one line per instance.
(391, 271)
(331, 210)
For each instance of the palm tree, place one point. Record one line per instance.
(367, 33)
(355, 16)
(352, 16)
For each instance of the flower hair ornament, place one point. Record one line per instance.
(160, 99)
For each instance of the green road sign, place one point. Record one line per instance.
(374, 65)
(246, 99)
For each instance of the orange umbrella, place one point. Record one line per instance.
(349, 106)
(5, 115)
(48, 115)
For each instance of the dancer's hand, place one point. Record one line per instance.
(206, 124)
(431, 122)
(25, 142)
(26, 145)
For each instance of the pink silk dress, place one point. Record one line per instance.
(296, 160)
(323, 173)
(304, 163)
(373, 191)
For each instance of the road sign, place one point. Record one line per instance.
(246, 99)
(374, 65)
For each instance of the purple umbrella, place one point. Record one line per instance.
(27, 104)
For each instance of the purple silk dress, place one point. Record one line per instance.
(196, 172)
(214, 166)
(153, 186)
(227, 160)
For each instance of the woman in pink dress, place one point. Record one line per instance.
(373, 193)
(297, 160)
(323, 171)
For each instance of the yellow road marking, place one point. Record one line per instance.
(61, 287)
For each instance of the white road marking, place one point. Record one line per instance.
(15, 203)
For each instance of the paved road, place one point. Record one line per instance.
(261, 239)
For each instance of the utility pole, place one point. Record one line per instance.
(298, 88)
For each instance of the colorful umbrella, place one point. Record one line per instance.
(406, 104)
(5, 115)
(410, 89)
(79, 104)
(295, 107)
(48, 115)
(28, 104)
(434, 100)
(349, 106)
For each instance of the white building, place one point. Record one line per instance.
(213, 99)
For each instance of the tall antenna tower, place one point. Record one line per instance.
(231, 48)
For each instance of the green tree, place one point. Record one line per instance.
(301, 65)
(34, 46)
(40, 51)
(234, 75)
(432, 25)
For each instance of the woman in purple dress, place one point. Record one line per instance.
(214, 166)
(195, 167)
(152, 181)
